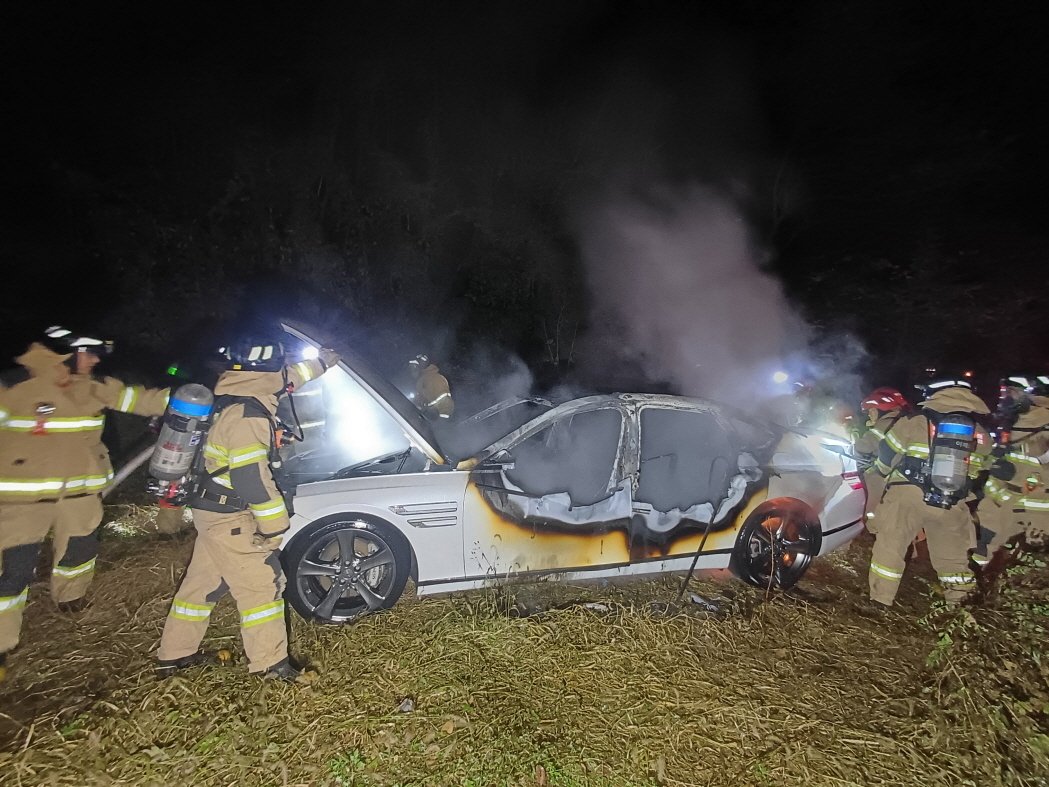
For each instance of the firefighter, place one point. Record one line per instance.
(239, 515)
(53, 466)
(432, 394)
(884, 407)
(929, 460)
(1016, 495)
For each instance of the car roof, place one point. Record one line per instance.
(600, 401)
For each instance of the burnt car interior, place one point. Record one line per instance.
(686, 458)
(574, 455)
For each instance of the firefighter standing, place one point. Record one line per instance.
(53, 465)
(432, 394)
(239, 514)
(928, 460)
(1016, 495)
(884, 407)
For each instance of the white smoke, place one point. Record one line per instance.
(678, 293)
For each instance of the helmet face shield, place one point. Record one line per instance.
(942, 384)
(259, 355)
(64, 340)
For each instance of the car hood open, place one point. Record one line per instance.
(407, 416)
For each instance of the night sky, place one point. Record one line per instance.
(408, 173)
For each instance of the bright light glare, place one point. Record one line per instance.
(780, 377)
(356, 421)
(309, 353)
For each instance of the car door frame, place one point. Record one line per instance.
(625, 457)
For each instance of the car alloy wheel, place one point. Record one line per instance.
(340, 570)
(775, 548)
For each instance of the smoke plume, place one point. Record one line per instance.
(679, 295)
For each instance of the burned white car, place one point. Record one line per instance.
(597, 487)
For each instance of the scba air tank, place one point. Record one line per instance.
(185, 424)
(952, 448)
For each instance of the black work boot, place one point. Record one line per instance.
(171, 666)
(283, 670)
(872, 610)
(76, 605)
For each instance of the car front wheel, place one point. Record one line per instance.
(775, 546)
(345, 567)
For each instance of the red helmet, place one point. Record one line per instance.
(885, 399)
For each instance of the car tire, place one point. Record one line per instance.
(343, 567)
(776, 544)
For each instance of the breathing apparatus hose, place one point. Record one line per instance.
(130, 467)
(298, 434)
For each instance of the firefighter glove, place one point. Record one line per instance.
(1003, 470)
(265, 542)
(327, 357)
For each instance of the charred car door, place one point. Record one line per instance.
(549, 499)
(695, 470)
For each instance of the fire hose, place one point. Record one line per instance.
(130, 467)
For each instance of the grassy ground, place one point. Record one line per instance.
(593, 686)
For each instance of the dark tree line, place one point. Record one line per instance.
(405, 175)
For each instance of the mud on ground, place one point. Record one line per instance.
(544, 684)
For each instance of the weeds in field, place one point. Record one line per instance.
(346, 768)
(540, 685)
(990, 677)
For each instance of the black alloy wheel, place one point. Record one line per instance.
(775, 548)
(340, 570)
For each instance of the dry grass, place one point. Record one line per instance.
(785, 691)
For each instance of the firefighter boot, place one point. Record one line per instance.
(76, 605)
(991, 571)
(169, 667)
(283, 670)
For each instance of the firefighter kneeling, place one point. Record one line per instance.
(928, 460)
(239, 515)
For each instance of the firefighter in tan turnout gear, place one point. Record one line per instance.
(884, 407)
(239, 514)
(1016, 495)
(53, 465)
(929, 460)
(432, 394)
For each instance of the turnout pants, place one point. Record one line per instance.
(950, 535)
(23, 528)
(226, 561)
(1000, 524)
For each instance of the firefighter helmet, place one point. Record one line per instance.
(63, 340)
(942, 383)
(1037, 384)
(419, 362)
(884, 399)
(257, 354)
(1015, 392)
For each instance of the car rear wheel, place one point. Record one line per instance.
(776, 546)
(342, 568)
